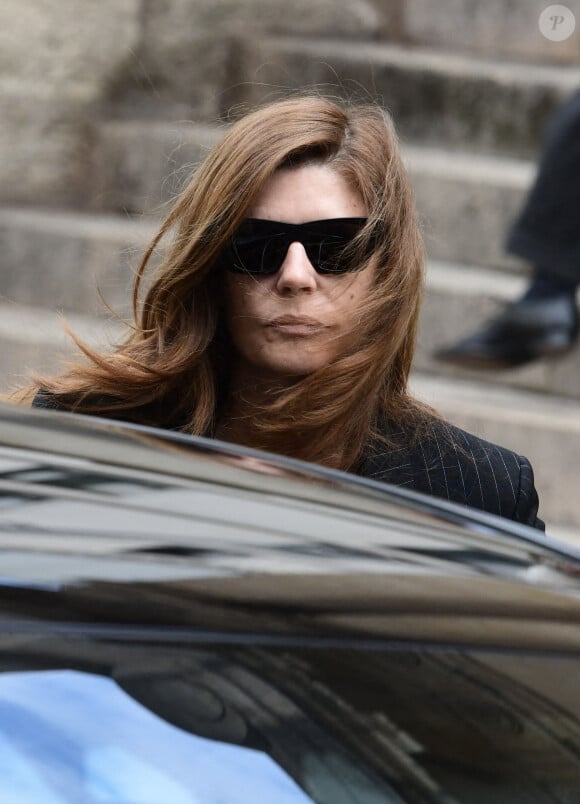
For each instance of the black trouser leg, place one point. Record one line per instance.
(547, 231)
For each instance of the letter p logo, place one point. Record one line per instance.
(557, 23)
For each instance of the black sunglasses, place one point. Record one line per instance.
(259, 247)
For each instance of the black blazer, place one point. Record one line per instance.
(447, 463)
(462, 468)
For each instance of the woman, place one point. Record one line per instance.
(284, 310)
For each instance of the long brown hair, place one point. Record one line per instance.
(172, 368)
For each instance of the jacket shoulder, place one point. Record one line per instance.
(445, 461)
(470, 470)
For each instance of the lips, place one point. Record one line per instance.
(296, 326)
(298, 321)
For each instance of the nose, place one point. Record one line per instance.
(296, 273)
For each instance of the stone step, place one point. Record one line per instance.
(491, 28)
(545, 429)
(34, 340)
(64, 259)
(140, 166)
(435, 97)
(457, 300)
(466, 202)
(185, 50)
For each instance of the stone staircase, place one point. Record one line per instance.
(471, 125)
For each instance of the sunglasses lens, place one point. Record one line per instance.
(329, 256)
(329, 245)
(259, 247)
(274, 254)
(262, 258)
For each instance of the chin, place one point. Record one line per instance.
(288, 369)
(295, 365)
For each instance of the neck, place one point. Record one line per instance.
(249, 391)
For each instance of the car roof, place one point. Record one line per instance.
(175, 531)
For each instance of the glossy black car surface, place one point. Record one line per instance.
(185, 621)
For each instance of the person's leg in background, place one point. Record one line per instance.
(544, 321)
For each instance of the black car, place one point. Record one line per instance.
(186, 621)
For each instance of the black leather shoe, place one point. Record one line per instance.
(526, 330)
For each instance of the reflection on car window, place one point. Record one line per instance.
(68, 737)
(173, 723)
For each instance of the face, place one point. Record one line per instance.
(297, 321)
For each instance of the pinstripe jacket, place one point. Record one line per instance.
(448, 463)
(462, 468)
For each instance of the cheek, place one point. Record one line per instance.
(356, 292)
(238, 297)
(244, 302)
(233, 307)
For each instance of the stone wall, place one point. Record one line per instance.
(497, 28)
(66, 63)
(62, 61)
(188, 48)
(56, 57)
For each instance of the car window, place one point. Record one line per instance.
(158, 723)
(68, 737)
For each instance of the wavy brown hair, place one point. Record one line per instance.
(172, 369)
